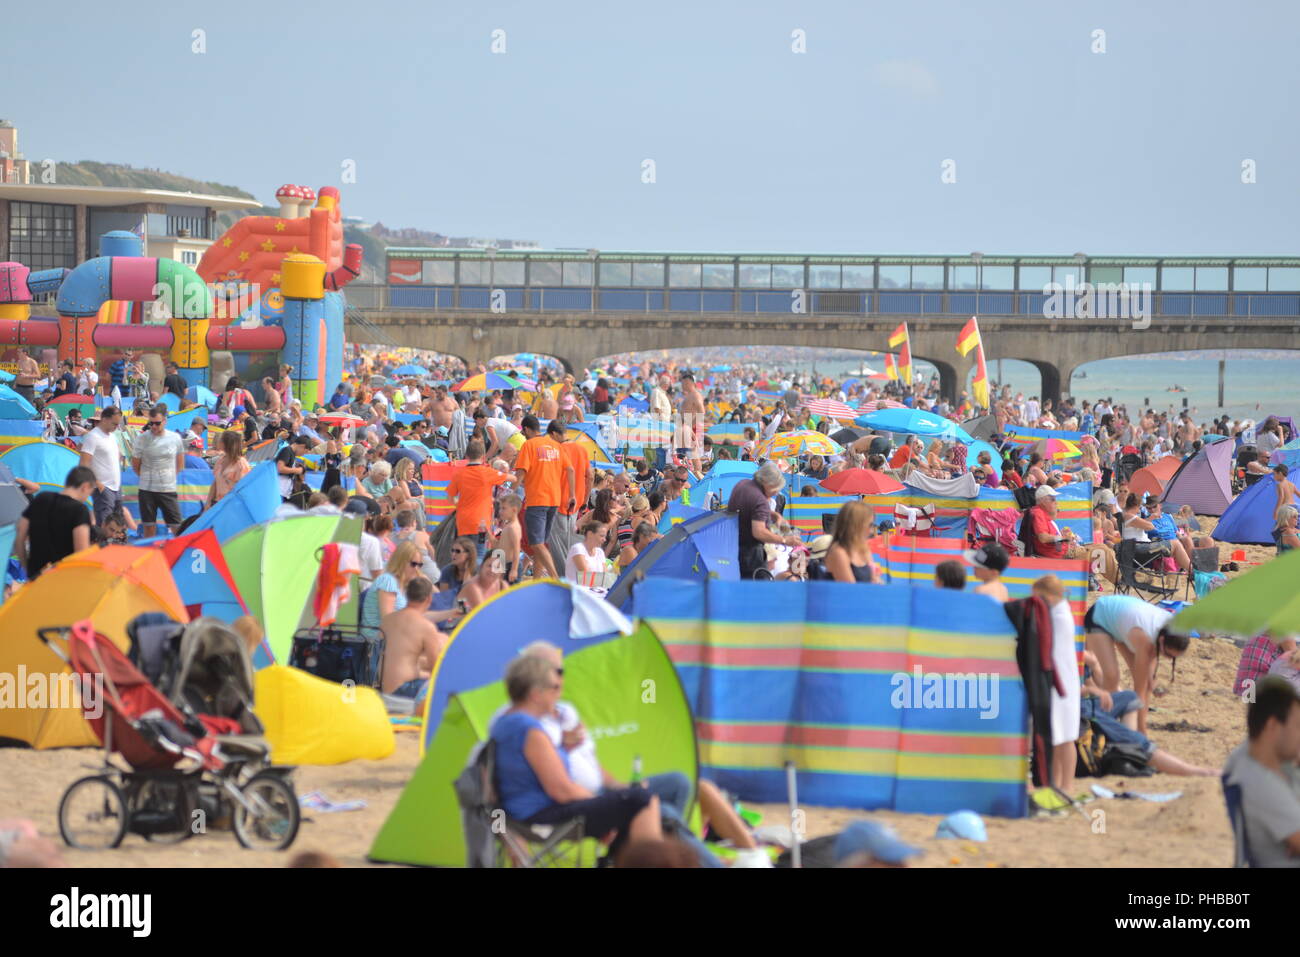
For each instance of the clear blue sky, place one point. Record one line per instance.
(1057, 149)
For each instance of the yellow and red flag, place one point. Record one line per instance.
(900, 341)
(969, 337)
(891, 371)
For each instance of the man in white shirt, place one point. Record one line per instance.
(1264, 769)
(158, 459)
(661, 406)
(100, 454)
(372, 555)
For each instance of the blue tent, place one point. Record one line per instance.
(409, 369)
(721, 479)
(634, 404)
(201, 395)
(252, 501)
(14, 406)
(1249, 519)
(704, 546)
(45, 463)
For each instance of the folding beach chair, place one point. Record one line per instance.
(1137, 575)
(495, 839)
(1241, 856)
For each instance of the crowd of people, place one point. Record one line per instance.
(529, 482)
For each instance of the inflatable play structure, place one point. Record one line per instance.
(269, 292)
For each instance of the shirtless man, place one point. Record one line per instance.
(990, 562)
(443, 408)
(412, 643)
(692, 425)
(549, 407)
(1285, 489)
(507, 541)
(29, 371)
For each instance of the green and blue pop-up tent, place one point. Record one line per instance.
(624, 688)
(275, 565)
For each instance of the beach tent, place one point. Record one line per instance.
(110, 586)
(702, 547)
(45, 463)
(623, 686)
(722, 480)
(275, 565)
(1153, 479)
(12, 500)
(13, 405)
(252, 501)
(205, 584)
(1249, 519)
(309, 720)
(981, 427)
(1204, 481)
(591, 437)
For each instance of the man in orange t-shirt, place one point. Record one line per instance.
(548, 482)
(580, 460)
(471, 487)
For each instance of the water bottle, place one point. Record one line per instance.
(635, 780)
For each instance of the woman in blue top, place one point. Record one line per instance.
(533, 777)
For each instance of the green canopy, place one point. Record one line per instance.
(629, 698)
(275, 566)
(1264, 600)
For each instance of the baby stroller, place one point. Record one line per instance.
(182, 763)
(1126, 465)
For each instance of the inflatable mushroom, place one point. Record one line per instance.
(290, 198)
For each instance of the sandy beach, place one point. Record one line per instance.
(1199, 720)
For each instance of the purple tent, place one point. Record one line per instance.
(1204, 481)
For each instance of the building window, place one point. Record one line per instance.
(195, 226)
(43, 235)
(189, 257)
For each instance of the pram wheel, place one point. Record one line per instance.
(92, 814)
(268, 817)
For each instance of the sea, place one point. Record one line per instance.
(1256, 383)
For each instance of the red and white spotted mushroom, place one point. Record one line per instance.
(308, 199)
(290, 197)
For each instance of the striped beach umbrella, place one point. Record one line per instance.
(830, 408)
(1055, 450)
(797, 442)
(877, 404)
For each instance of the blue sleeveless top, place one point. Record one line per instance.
(521, 792)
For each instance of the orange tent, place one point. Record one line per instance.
(110, 586)
(1153, 479)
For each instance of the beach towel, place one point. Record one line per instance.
(338, 563)
(963, 486)
(914, 521)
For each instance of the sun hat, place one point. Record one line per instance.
(965, 825)
(1044, 491)
(819, 546)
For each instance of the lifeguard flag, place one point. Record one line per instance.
(891, 371)
(979, 386)
(969, 337)
(899, 336)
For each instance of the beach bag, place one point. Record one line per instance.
(1090, 746)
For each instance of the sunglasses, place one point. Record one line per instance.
(152, 424)
(417, 564)
(458, 551)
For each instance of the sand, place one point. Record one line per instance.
(1191, 831)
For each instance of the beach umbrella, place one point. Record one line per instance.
(860, 482)
(1055, 450)
(797, 442)
(848, 436)
(66, 403)
(14, 406)
(486, 381)
(1263, 600)
(875, 405)
(409, 370)
(720, 369)
(341, 419)
(6, 376)
(829, 408)
(378, 380)
(730, 433)
(914, 422)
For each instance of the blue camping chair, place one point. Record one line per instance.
(1237, 820)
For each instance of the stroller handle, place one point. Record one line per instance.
(51, 634)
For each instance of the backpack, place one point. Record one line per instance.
(1098, 756)
(471, 787)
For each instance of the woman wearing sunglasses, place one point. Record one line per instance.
(387, 593)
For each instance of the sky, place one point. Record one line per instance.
(1055, 146)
